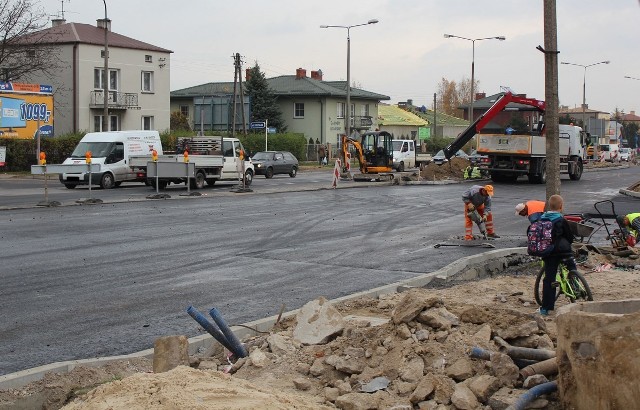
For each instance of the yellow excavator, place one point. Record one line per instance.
(375, 156)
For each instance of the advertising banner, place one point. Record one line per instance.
(24, 107)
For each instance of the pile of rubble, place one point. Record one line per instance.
(453, 169)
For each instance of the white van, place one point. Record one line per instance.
(404, 154)
(111, 150)
(609, 152)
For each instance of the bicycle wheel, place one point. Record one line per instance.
(579, 286)
(537, 287)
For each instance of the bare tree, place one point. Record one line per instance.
(451, 95)
(25, 48)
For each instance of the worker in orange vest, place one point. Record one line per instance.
(531, 209)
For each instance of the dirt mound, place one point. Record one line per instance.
(452, 169)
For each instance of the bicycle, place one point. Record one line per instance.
(571, 283)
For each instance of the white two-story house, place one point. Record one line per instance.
(138, 79)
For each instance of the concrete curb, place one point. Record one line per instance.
(630, 191)
(204, 341)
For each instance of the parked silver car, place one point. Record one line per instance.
(269, 163)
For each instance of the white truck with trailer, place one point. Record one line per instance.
(513, 155)
(214, 158)
(111, 151)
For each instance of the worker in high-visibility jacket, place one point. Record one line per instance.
(631, 224)
(531, 209)
(478, 197)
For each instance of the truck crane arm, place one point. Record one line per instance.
(484, 119)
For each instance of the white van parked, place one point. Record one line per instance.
(404, 154)
(111, 150)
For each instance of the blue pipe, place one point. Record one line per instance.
(480, 353)
(532, 394)
(237, 348)
(209, 327)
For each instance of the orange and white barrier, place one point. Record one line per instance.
(336, 174)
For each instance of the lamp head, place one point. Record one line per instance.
(501, 38)
(447, 36)
(372, 21)
(324, 26)
(606, 62)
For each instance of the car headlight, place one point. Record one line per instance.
(258, 165)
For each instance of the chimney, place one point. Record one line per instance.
(480, 96)
(301, 73)
(247, 74)
(410, 102)
(316, 75)
(102, 22)
(57, 22)
(632, 112)
(584, 106)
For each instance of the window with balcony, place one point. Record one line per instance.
(147, 81)
(341, 109)
(298, 110)
(98, 79)
(147, 122)
(365, 110)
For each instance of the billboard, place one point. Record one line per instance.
(24, 107)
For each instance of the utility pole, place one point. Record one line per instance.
(237, 83)
(551, 97)
(435, 124)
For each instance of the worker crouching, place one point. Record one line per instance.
(478, 198)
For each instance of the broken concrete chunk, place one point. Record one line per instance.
(439, 318)
(258, 358)
(424, 388)
(504, 369)
(483, 334)
(349, 366)
(524, 330)
(302, 383)
(484, 386)
(413, 370)
(280, 345)
(412, 303)
(463, 398)
(318, 367)
(356, 401)
(317, 322)
(504, 398)
(403, 331)
(460, 370)
(331, 394)
(422, 335)
(170, 352)
(534, 380)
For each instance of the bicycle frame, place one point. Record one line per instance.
(562, 277)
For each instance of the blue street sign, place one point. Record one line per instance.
(257, 125)
(271, 130)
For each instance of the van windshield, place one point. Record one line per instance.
(98, 149)
(397, 145)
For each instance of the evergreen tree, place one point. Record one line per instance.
(263, 101)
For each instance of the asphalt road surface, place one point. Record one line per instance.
(89, 281)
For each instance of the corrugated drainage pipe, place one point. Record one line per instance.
(238, 348)
(209, 327)
(532, 394)
(547, 367)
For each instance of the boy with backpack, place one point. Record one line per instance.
(550, 237)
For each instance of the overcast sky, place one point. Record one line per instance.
(404, 56)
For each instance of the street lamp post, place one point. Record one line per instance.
(473, 57)
(584, 86)
(348, 108)
(105, 86)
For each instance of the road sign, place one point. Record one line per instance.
(271, 130)
(257, 125)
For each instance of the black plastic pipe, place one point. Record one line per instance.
(209, 327)
(237, 347)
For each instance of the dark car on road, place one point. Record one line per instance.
(269, 163)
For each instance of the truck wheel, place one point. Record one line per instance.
(107, 181)
(542, 177)
(248, 177)
(198, 181)
(578, 174)
(211, 182)
(268, 173)
(401, 167)
(70, 186)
